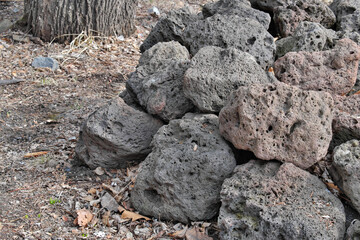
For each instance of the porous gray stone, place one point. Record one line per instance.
(169, 28)
(343, 8)
(272, 201)
(309, 37)
(115, 136)
(353, 231)
(279, 121)
(345, 170)
(333, 70)
(355, 36)
(181, 179)
(225, 31)
(346, 123)
(215, 72)
(350, 23)
(158, 81)
(45, 62)
(288, 17)
(270, 5)
(241, 8)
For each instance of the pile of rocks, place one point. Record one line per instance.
(211, 86)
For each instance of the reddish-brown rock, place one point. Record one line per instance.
(346, 123)
(333, 70)
(279, 121)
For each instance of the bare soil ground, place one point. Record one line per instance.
(40, 196)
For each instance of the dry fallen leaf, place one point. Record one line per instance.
(92, 191)
(179, 234)
(332, 186)
(105, 218)
(125, 214)
(83, 218)
(35, 154)
(195, 234)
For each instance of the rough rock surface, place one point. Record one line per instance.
(333, 70)
(345, 170)
(353, 231)
(308, 36)
(182, 177)
(279, 121)
(346, 123)
(169, 28)
(45, 62)
(225, 31)
(347, 12)
(116, 135)
(270, 5)
(272, 201)
(241, 8)
(288, 17)
(215, 72)
(158, 81)
(350, 23)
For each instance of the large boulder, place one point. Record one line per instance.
(116, 135)
(274, 201)
(309, 37)
(345, 170)
(278, 121)
(182, 177)
(169, 28)
(158, 81)
(215, 72)
(288, 17)
(225, 31)
(333, 70)
(241, 8)
(346, 123)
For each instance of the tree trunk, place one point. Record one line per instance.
(64, 19)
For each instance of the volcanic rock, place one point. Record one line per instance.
(272, 201)
(309, 37)
(270, 5)
(158, 81)
(115, 136)
(346, 123)
(279, 121)
(333, 70)
(241, 8)
(225, 31)
(182, 177)
(288, 17)
(169, 28)
(345, 170)
(353, 231)
(215, 72)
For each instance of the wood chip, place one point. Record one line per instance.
(35, 154)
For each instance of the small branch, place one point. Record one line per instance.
(12, 81)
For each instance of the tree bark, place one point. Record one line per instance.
(64, 19)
